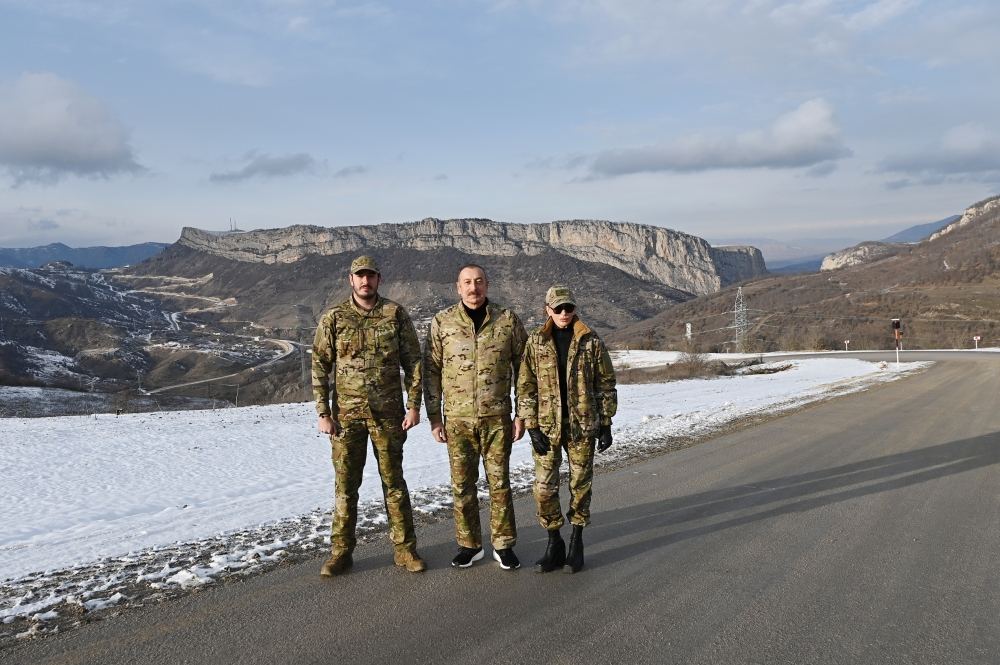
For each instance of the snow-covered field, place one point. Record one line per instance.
(95, 508)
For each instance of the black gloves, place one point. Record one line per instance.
(541, 444)
(539, 441)
(604, 438)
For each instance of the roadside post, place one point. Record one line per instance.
(898, 334)
(976, 339)
(846, 342)
(237, 386)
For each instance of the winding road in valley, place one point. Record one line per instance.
(865, 529)
(287, 349)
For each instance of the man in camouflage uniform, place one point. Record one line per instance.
(364, 342)
(472, 355)
(567, 397)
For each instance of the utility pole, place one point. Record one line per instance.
(305, 321)
(237, 386)
(740, 322)
(897, 332)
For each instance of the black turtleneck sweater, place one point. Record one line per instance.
(562, 337)
(478, 315)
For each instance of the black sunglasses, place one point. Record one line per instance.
(559, 309)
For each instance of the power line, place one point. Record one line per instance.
(871, 318)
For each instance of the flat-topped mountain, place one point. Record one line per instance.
(651, 253)
(284, 278)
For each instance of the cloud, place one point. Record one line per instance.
(42, 224)
(822, 169)
(51, 128)
(237, 42)
(266, 166)
(223, 58)
(348, 171)
(298, 24)
(877, 14)
(751, 36)
(568, 162)
(807, 136)
(967, 152)
(902, 183)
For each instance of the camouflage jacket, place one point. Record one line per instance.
(590, 383)
(365, 351)
(475, 371)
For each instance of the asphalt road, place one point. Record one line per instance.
(862, 530)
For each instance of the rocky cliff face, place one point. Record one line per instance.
(865, 252)
(651, 253)
(971, 213)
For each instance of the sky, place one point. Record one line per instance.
(122, 121)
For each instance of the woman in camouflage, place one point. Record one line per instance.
(567, 397)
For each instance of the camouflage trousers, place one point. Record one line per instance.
(580, 454)
(470, 439)
(349, 452)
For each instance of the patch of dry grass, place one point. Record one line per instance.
(688, 366)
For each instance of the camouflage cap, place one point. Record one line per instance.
(559, 295)
(364, 263)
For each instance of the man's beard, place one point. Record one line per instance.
(372, 296)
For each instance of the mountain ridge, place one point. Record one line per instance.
(97, 257)
(945, 289)
(679, 260)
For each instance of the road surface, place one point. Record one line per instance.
(862, 530)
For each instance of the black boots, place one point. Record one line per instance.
(574, 558)
(555, 554)
(557, 557)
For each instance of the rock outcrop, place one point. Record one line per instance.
(868, 252)
(865, 252)
(971, 213)
(651, 253)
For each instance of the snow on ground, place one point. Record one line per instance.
(18, 400)
(638, 359)
(97, 507)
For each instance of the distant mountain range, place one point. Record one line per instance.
(82, 257)
(921, 231)
(806, 255)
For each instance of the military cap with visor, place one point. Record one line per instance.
(559, 295)
(364, 263)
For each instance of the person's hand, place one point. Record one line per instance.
(539, 441)
(604, 439)
(328, 425)
(411, 419)
(437, 430)
(518, 428)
